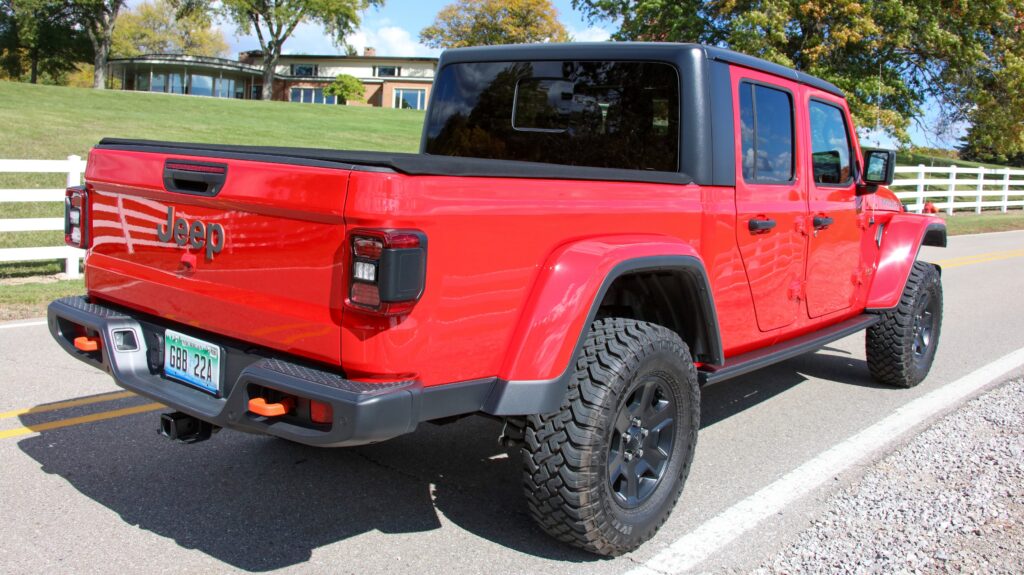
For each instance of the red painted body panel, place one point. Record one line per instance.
(564, 291)
(277, 281)
(835, 258)
(901, 241)
(513, 265)
(775, 260)
(494, 242)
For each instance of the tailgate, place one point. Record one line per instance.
(242, 248)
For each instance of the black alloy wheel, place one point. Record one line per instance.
(641, 442)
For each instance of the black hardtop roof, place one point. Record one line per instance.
(653, 51)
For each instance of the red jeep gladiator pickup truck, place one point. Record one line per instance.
(590, 233)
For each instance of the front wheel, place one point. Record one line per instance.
(901, 347)
(604, 472)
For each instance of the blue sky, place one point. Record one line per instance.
(393, 30)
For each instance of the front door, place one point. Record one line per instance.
(834, 252)
(771, 204)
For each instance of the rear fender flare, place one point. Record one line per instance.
(565, 301)
(902, 239)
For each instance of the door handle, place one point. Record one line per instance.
(191, 177)
(760, 225)
(822, 222)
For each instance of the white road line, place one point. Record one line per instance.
(697, 545)
(23, 324)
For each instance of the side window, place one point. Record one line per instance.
(766, 126)
(830, 144)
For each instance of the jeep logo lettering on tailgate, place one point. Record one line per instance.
(196, 235)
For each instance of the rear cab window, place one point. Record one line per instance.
(598, 114)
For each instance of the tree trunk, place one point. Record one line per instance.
(99, 75)
(101, 31)
(34, 66)
(269, 63)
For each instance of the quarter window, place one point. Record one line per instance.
(766, 125)
(830, 144)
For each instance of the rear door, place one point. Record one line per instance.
(834, 251)
(771, 203)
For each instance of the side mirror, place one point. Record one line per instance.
(880, 166)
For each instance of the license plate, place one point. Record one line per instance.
(192, 361)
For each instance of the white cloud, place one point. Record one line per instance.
(591, 34)
(389, 41)
(310, 38)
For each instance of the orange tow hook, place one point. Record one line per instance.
(87, 343)
(259, 406)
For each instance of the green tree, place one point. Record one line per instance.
(493, 22)
(347, 88)
(274, 21)
(997, 118)
(158, 28)
(39, 38)
(889, 56)
(98, 18)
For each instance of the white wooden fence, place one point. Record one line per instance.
(948, 188)
(951, 188)
(74, 166)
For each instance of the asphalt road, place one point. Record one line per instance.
(89, 486)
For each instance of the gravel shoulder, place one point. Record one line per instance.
(949, 501)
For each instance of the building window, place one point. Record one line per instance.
(142, 82)
(311, 96)
(200, 85)
(410, 99)
(387, 71)
(174, 84)
(257, 92)
(225, 87)
(304, 70)
(159, 83)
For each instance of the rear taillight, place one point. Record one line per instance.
(76, 217)
(387, 271)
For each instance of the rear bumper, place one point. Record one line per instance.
(362, 412)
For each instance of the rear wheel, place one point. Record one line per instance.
(901, 347)
(604, 472)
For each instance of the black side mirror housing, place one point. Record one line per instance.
(879, 166)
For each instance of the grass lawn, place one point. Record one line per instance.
(963, 224)
(25, 300)
(915, 158)
(52, 122)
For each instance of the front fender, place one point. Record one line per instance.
(902, 238)
(563, 303)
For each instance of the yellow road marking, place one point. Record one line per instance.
(979, 258)
(79, 420)
(66, 404)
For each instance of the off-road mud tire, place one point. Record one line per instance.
(894, 345)
(567, 453)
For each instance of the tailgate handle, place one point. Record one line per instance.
(191, 177)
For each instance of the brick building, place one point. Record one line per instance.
(389, 81)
